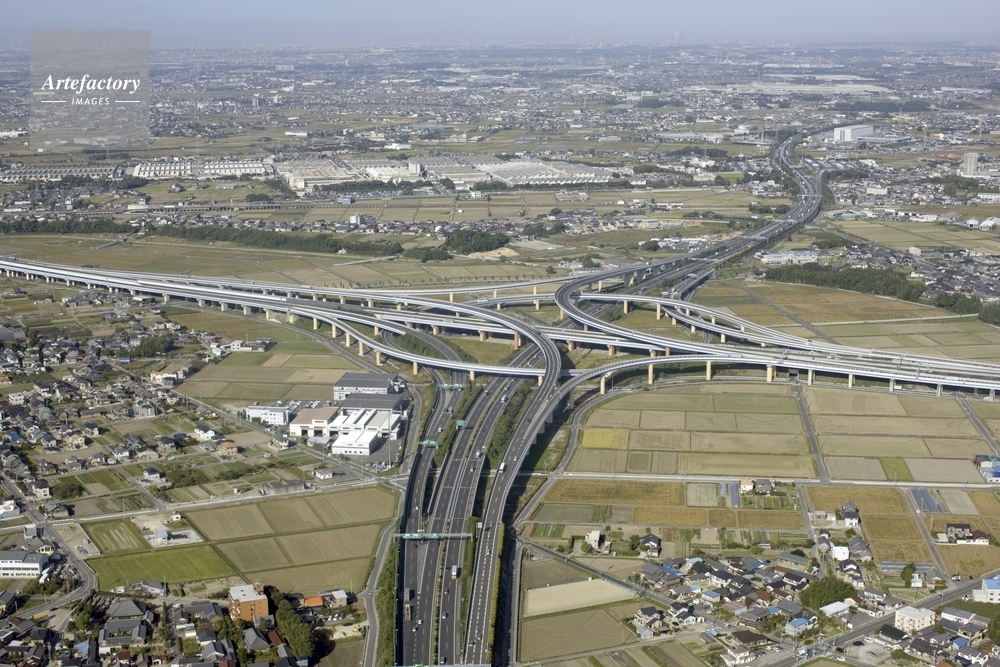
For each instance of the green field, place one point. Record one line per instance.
(176, 565)
(115, 536)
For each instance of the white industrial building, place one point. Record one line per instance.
(22, 564)
(970, 165)
(365, 383)
(356, 443)
(153, 171)
(788, 257)
(385, 424)
(852, 132)
(268, 414)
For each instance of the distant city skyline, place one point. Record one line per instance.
(387, 22)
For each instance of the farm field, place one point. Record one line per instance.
(903, 235)
(879, 436)
(179, 565)
(545, 637)
(969, 560)
(300, 543)
(565, 597)
(116, 536)
(698, 430)
(300, 367)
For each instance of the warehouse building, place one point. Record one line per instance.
(268, 414)
(365, 383)
(22, 564)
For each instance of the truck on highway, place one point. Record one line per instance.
(503, 466)
(407, 612)
(454, 572)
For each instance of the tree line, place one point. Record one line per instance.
(883, 282)
(466, 241)
(260, 238)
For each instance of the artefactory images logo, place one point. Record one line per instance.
(90, 89)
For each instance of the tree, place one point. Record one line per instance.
(586, 548)
(153, 346)
(549, 271)
(907, 574)
(824, 591)
(993, 630)
(466, 241)
(649, 246)
(990, 313)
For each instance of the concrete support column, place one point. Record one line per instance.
(290, 294)
(992, 395)
(586, 327)
(517, 340)
(649, 380)
(892, 384)
(770, 373)
(483, 335)
(267, 291)
(472, 376)
(292, 318)
(342, 300)
(48, 279)
(673, 321)
(498, 306)
(562, 314)
(371, 303)
(687, 311)
(534, 289)
(666, 351)
(939, 388)
(315, 323)
(315, 296)
(451, 297)
(811, 377)
(541, 378)
(333, 331)
(659, 310)
(722, 338)
(361, 348)
(625, 306)
(604, 388)
(69, 283)
(378, 358)
(166, 297)
(247, 310)
(201, 303)
(376, 331)
(267, 314)
(399, 306)
(494, 294)
(347, 336)
(223, 307)
(458, 314)
(692, 328)
(611, 350)
(850, 381)
(416, 368)
(743, 329)
(708, 370)
(600, 285)
(436, 330)
(538, 304)
(652, 353)
(763, 344)
(571, 344)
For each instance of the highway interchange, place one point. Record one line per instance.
(443, 500)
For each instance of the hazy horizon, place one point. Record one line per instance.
(390, 22)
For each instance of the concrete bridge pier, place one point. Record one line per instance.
(292, 318)
(538, 305)
(484, 335)
(810, 377)
(342, 300)
(612, 350)
(451, 296)
(534, 290)
(517, 340)
(666, 351)
(722, 338)
(541, 378)
(201, 303)
(770, 373)
(247, 310)
(571, 344)
(347, 336)
(708, 370)
(361, 348)
(378, 358)
(498, 306)
(333, 331)
(850, 381)
(604, 387)
(371, 303)
(586, 327)
(743, 328)
(436, 330)
(992, 395)
(376, 332)
(659, 310)
(315, 323)
(267, 314)
(223, 307)
(472, 376)
(290, 294)
(713, 319)
(166, 297)
(649, 380)
(562, 314)
(892, 384)
(692, 328)
(416, 368)
(939, 389)
(625, 306)
(673, 321)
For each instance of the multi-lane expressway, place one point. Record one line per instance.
(392, 312)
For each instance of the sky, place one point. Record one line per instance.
(388, 22)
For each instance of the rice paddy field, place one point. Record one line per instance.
(925, 235)
(878, 436)
(545, 636)
(301, 543)
(706, 429)
(639, 505)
